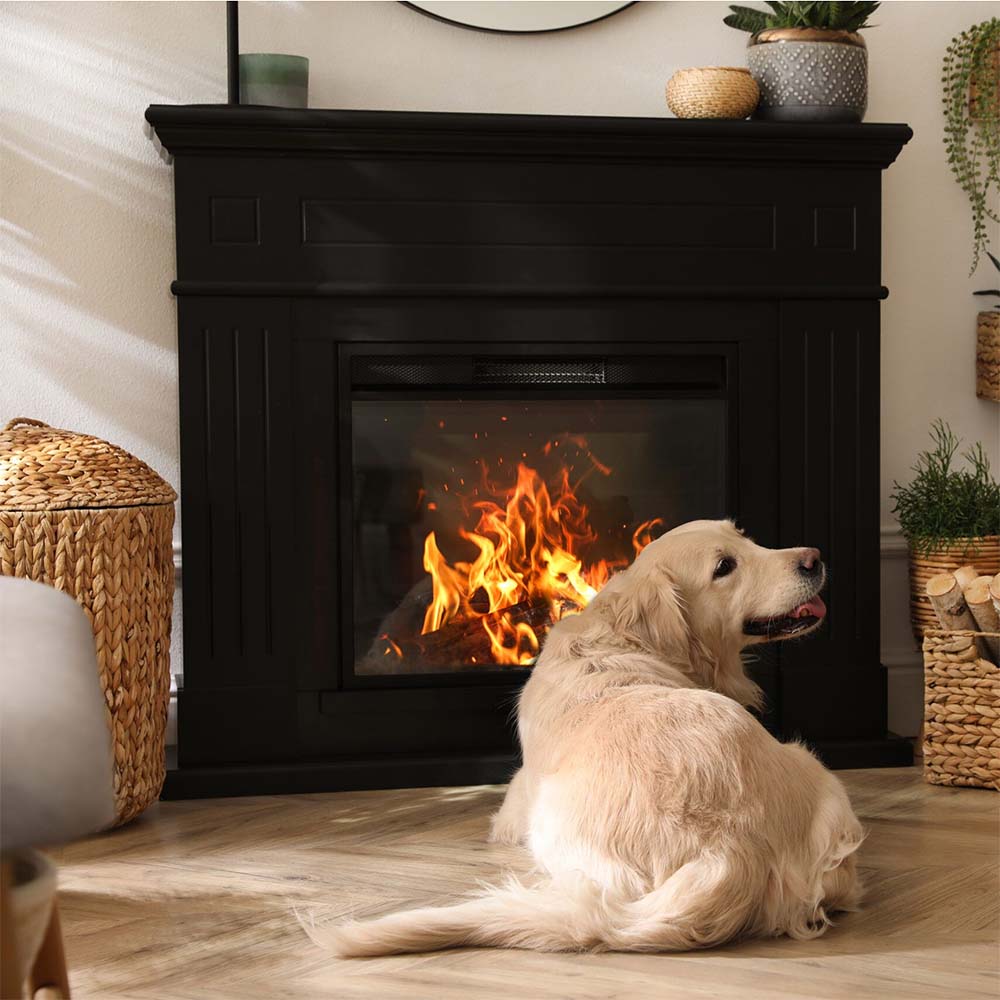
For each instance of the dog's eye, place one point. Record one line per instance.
(724, 567)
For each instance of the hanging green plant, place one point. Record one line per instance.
(971, 94)
(942, 505)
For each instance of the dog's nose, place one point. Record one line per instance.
(810, 563)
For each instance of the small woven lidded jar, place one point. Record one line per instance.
(92, 520)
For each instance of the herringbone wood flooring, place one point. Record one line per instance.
(196, 900)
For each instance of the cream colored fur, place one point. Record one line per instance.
(661, 814)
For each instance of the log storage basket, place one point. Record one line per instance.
(982, 552)
(961, 711)
(92, 520)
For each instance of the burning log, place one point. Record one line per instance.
(461, 644)
(466, 641)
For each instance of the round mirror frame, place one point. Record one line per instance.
(437, 16)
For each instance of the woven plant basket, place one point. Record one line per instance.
(983, 553)
(988, 356)
(92, 520)
(961, 712)
(712, 92)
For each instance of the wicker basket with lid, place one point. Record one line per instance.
(92, 520)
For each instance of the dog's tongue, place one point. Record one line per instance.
(811, 609)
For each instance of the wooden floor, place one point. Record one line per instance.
(197, 899)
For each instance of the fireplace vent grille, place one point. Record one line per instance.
(487, 371)
(704, 372)
(472, 371)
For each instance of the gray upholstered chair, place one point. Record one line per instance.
(55, 770)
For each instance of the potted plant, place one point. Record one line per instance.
(971, 83)
(808, 59)
(950, 517)
(988, 345)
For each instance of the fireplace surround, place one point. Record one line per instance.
(441, 374)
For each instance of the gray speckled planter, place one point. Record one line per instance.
(807, 80)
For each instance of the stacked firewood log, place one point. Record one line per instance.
(965, 600)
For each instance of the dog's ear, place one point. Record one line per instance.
(650, 611)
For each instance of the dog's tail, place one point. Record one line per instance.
(705, 902)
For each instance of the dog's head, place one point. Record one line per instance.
(731, 586)
(703, 591)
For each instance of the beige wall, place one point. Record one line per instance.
(87, 244)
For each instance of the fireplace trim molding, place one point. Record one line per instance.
(802, 278)
(304, 289)
(226, 130)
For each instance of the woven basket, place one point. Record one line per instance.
(983, 553)
(712, 92)
(961, 712)
(92, 520)
(988, 356)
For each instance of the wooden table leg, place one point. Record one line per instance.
(49, 971)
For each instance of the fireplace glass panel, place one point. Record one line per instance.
(478, 523)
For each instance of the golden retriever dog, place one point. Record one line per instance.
(661, 815)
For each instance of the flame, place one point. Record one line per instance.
(643, 535)
(531, 543)
(392, 648)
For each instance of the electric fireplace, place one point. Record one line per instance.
(442, 376)
(484, 514)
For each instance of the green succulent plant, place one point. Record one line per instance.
(972, 124)
(941, 505)
(835, 16)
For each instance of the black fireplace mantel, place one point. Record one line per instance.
(305, 237)
(228, 130)
(816, 211)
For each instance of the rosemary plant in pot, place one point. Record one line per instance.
(949, 515)
(808, 59)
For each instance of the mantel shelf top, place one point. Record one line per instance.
(221, 129)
